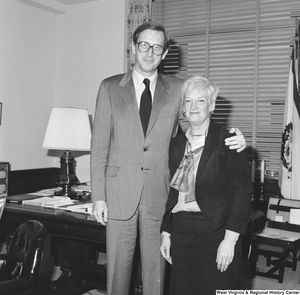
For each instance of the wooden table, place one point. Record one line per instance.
(57, 222)
(72, 226)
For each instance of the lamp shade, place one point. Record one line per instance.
(68, 129)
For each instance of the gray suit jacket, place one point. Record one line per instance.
(124, 162)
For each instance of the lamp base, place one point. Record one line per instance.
(67, 193)
(67, 178)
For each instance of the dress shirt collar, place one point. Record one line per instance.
(138, 79)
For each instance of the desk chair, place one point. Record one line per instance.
(20, 265)
(2, 204)
(279, 240)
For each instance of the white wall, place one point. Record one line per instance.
(27, 82)
(49, 59)
(90, 48)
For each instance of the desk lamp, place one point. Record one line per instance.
(68, 129)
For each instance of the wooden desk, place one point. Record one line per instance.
(67, 225)
(275, 244)
(57, 222)
(278, 237)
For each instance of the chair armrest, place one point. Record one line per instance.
(2, 265)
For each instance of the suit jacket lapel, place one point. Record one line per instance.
(160, 96)
(128, 94)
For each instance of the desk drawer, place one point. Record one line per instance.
(275, 242)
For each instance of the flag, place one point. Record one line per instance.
(289, 178)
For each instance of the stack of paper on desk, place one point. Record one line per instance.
(55, 201)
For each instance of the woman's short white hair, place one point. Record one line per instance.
(209, 88)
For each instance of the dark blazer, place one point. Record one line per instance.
(223, 183)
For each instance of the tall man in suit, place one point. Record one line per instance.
(129, 160)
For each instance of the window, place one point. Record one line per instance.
(244, 46)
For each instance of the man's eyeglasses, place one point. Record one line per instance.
(145, 46)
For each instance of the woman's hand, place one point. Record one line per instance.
(165, 247)
(225, 254)
(236, 142)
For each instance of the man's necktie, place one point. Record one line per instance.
(146, 105)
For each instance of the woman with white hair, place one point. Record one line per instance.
(209, 200)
